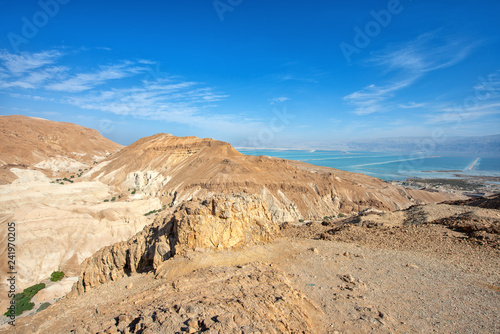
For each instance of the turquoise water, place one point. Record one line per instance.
(390, 166)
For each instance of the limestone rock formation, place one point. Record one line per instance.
(58, 226)
(176, 169)
(220, 222)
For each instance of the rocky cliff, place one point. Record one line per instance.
(220, 222)
(176, 169)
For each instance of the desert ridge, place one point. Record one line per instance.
(175, 169)
(47, 145)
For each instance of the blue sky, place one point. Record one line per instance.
(255, 73)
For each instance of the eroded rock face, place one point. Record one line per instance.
(220, 222)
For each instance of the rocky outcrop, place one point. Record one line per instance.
(220, 222)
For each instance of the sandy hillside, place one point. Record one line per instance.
(175, 169)
(35, 142)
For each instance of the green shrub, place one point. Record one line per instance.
(113, 199)
(301, 220)
(23, 300)
(43, 307)
(106, 200)
(155, 211)
(341, 215)
(56, 276)
(133, 192)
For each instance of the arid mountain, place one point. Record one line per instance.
(177, 169)
(36, 142)
(188, 235)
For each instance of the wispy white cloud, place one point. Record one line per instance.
(371, 99)
(17, 64)
(412, 105)
(412, 60)
(428, 52)
(488, 87)
(483, 103)
(86, 81)
(177, 102)
(476, 107)
(280, 99)
(459, 117)
(134, 88)
(33, 79)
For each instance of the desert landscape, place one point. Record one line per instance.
(187, 235)
(249, 167)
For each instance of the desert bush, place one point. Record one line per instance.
(23, 300)
(56, 276)
(43, 307)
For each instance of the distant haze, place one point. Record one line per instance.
(486, 146)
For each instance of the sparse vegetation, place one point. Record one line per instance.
(56, 276)
(340, 215)
(43, 307)
(23, 299)
(67, 180)
(155, 211)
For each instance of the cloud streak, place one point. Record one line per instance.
(371, 99)
(18, 64)
(129, 88)
(407, 63)
(87, 81)
(427, 53)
